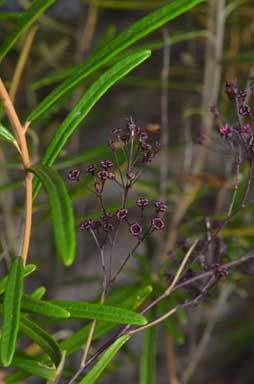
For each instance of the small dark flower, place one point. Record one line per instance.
(111, 176)
(96, 224)
(108, 227)
(231, 90)
(148, 157)
(158, 223)
(86, 225)
(133, 129)
(91, 169)
(135, 229)
(102, 175)
(225, 130)
(161, 206)
(246, 129)
(122, 213)
(131, 175)
(108, 216)
(244, 110)
(143, 136)
(111, 145)
(145, 147)
(214, 110)
(106, 164)
(242, 95)
(74, 175)
(124, 139)
(142, 203)
(116, 132)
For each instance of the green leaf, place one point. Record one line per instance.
(28, 269)
(60, 211)
(11, 311)
(148, 357)
(85, 104)
(6, 135)
(99, 367)
(23, 23)
(39, 292)
(15, 377)
(138, 30)
(88, 156)
(126, 297)
(43, 307)
(82, 310)
(37, 368)
(42, 338)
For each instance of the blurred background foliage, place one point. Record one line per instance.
(170, 95)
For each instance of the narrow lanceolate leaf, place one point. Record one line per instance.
(99, 367)
(138, 30)
(28, 269)
(43, 307)
(60, 211)
(79, 309)
(11, 311)
(86, 103)
(82, 310)
(132, 298)
(42, 338)
(148, 357)
(23, 23)
(5, 134)
(37, 368)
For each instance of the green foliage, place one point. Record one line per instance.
(138, 30)
(11, 311)
(23, 23)
(32, 304)
(42, 338)
(101, 312)
(85, 104)
(60, 211)
(103, 362)
(108, 62)
(5, 134)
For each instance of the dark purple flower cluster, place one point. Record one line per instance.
(132, 135)
(134, 144)
(240, 133)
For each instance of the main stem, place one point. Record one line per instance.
(20, 135)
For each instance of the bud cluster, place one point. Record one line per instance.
(238, 134)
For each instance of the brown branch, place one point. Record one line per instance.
(20, 135)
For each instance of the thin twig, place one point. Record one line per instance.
(22, 62)
(164, 113)
(167, 292)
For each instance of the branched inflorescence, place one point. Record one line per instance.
(239, 134)
(131, 150)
